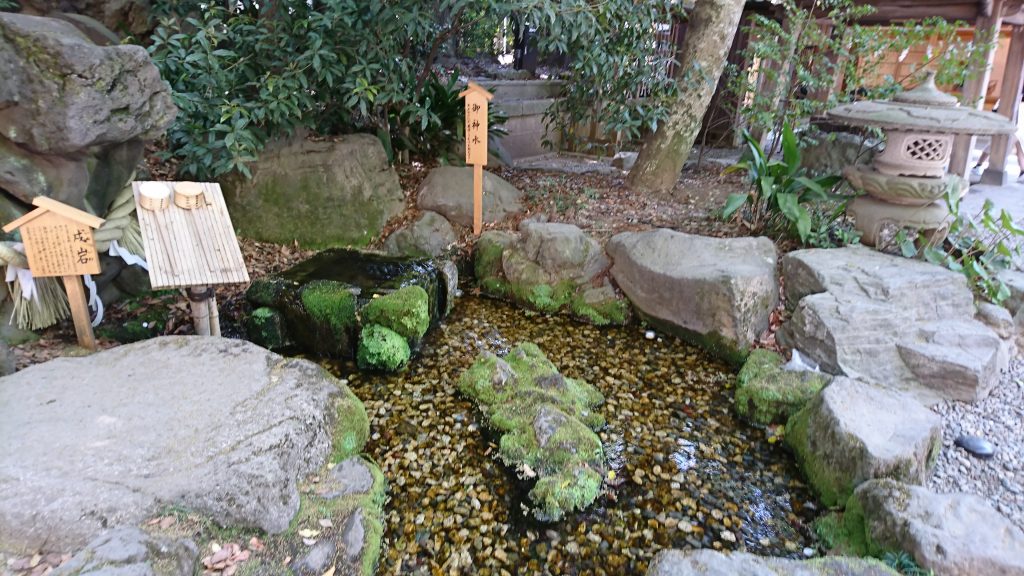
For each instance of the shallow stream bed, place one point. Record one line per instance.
(689, 473)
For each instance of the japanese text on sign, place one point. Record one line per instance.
(476, 129)
(58, 247)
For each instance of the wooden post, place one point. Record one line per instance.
(199, 302)
(214, 316)
(79, 311)
(986, 28)
(476, 99)
(478, 198)
(1009, 104)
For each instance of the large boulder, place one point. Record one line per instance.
(716, 292)
(549, 267)
(321, 194)
(430, 235)
(902, 323)
(128, 17)
(950, 534)
(62, 94)
(218, 426)
(853, 432)
(711, 563)
(448, 190)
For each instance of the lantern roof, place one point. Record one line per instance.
(923, 109)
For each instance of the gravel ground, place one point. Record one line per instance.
(1000, 419)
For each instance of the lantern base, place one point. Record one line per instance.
(871, 215)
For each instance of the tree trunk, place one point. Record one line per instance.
(709, 34)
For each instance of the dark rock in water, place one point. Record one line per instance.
(325, 303)
(975, 445)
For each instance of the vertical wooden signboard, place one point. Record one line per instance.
(59, 242)
(476, 98)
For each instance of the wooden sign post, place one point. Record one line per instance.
(476, 98)
(58, 242)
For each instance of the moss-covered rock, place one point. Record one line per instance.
(266, 327)
(351, 426)
(767, 394)
(266, 291)
(381, 348)
(404, 311)
(852, 432)
(547, 423)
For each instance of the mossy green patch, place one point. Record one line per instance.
(351, 426)
(266, 291)
(830, 487)
(547, 423)
(332, 304)
(405, 311)
(381, 348)
(265, 327)
(608, 313)
(543, 297)
(767, 394)
(487, 257)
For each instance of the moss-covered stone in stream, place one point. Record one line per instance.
(404, 311)
(613, 312)
(351, 428)
(265, 327)
(547, 422)
(767, 394)
(332, 304)
(381, 348)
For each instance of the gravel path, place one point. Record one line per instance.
(1000, 419)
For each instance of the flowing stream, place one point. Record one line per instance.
(688, 473)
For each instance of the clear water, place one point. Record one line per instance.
(689, 474)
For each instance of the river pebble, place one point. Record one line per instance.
(998, 419)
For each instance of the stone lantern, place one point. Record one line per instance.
(906, 184)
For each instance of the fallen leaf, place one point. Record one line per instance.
(214, 546)
(308, 533)
(256, 545)
(167, 522)
(308, 541)
(325, 523)
(329, 572)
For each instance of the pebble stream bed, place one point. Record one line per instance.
(689, 474)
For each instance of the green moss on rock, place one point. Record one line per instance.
(330, 303)
(547, 423)
(608, 313)
(265, 327)
(767, 394)
(831, 488)
(405, 311)
(266, 291)
(381, 348)
(351, 427)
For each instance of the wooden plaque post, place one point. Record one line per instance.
(59, 242)
(476, 98)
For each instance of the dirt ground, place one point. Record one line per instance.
(599, 203)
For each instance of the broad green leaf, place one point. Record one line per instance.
(733, 203)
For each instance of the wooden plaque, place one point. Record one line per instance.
(59, 246)
(476, 99)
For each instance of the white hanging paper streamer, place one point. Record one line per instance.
(130, 259)
(94, 300)
(24, 276)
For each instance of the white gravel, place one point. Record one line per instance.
(1000, 420)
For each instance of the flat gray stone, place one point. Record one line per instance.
(429, 235)
(215, 425)
(350, 476)
(852, 432)
(711, 563)
(448, 190)
(130, 551)
(901, 323)
(951, 534)
(317, 560)
(724, 289)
